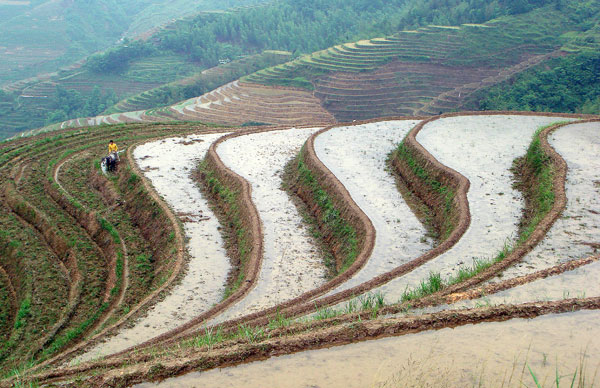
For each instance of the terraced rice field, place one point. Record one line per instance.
(326, 237)
(424, 72)
(427, 71)
(235, 103)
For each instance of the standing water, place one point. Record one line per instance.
(483, 355)
(291, 262)
(168, 164)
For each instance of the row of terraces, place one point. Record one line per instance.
(413, 226)
(426, 71)
(236, 103)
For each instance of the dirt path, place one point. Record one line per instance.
(482, 148)
(291, 263)
(357, 156)
(167, 163)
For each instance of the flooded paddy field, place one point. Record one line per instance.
(168, 164)
(357, 156)
(482, 148)
(487, 354)
(576, 234)
(291, 263)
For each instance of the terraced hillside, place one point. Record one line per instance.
(190, 257)
(427, 71)
(206, 80)
(145, 86)
(235, 103)
(423, 72)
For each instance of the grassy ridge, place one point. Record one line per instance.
(534, 177)
(438, 195)
(225, 201)
(48, 320)
(334, 231)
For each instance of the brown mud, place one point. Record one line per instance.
(243, 352)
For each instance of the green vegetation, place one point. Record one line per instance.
(197, 84)
(23, 313)
(237, 236)
(432, 284)
(6, 308)
(73, 333)
(60, 274)
(446, 194)
(580, 378)
(534, 175)
(568, 84)
(43, 35)
(535, 178)
(137, 70)
(310, 25)
(67, 104)
(333, 231)
(277, 326)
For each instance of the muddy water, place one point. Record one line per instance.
(167, 164)
(486, 355)
(572, 236)
(481, 148)
(356, 155)
(579, 145)
(291, 263)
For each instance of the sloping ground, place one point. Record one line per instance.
(357, 156)
(409, 88)
(82, 253)
(423, 72)
(482, 148)
(238, 103)
(272, 331)
(235, 103)
(427, 71)
(291, 263)
(205, 80)
(203, 283)
(573, 236)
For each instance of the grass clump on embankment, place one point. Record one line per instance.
(155, 257)
(534, 178)
(336, 233)
(534, 175)
(430, 187)
(224, 198)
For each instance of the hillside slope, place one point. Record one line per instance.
(209, 38)
(426, 71)
(430, 70)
